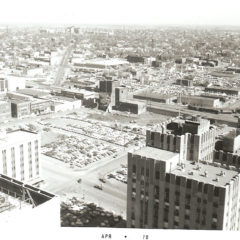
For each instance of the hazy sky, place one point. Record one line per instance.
(211, 12)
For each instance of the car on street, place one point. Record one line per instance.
(98, 187)
(102, 180)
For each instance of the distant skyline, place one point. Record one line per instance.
(157, 12)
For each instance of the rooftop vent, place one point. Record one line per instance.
(222, 173)
(216, 179)
(197, 167)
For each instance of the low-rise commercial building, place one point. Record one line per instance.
(200, 101)
(20, 108)
(59, 105)
(154, 97)
(185, 82)
(40, 106)
(228, 91)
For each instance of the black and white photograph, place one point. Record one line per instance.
(119, 119)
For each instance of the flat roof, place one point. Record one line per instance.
(199, 97)
(155, 153)
(191, 171)
(101, 61)
(16, 136)
(153, 94)
(33, 92)
(134, 101)
(231, 135)
(223, 88)
(3, 102)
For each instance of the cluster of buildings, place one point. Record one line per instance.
(183, 179)
(21, 202)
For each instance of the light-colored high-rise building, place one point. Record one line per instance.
(194, 139)
(19, 155)
(167, 192)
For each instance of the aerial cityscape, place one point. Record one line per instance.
(125, 127)
(119, 126)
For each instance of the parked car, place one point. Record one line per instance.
(102, 180)
(98, 187)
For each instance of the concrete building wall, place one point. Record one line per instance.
(40, 107)
(66, 106)
(20, 109)
(222, 90)
(15, 83)
(159, 199)
(227, 159)
(130, 107)
(200, 101)
(185, 82)
(231, 144)
(190, 146)
(21, 159)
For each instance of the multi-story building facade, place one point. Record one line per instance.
(167, 192)
(107, 94)
(20, 108)
(19, 155)
(194, 139)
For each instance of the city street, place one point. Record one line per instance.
(60, 179)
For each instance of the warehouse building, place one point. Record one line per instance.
(152, 96)
(200, 101)
(20, 108)
(228, 91)
(185, 82)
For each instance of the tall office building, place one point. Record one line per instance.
(19, 155)
(194, 139)
(168, 193)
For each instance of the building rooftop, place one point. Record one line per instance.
(33, 92)
(199, 97)
(217, 176)
(100, 61)
(223, 88)
(153, 94)
(15, 136)
(155, 153)
(2, 102)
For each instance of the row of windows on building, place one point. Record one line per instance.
(201, 186)
(13, 158)
(200, 217)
